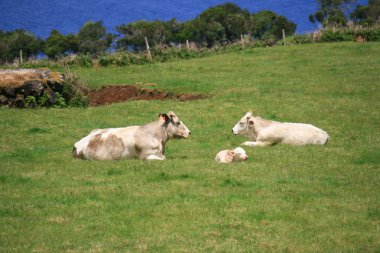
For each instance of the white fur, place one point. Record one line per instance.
(142, 142)
(233, 155)
(264, 132)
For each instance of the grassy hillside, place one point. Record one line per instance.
(296, 199)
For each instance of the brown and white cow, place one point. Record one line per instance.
(264, 132)
(142, 142)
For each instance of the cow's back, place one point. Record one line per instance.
(107, 144)
(296, 134)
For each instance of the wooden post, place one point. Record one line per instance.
(147, 48)
(283, 36)
(242, 40)
(21, 57)
(187, 45)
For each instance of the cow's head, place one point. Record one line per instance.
(175, 127)
(244, 124)
(239, 154)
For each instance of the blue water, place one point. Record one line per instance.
(68, 16)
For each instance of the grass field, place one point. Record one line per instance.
(283, 199)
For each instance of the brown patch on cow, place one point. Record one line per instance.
(138, 149)
(109, 148)
(95, 141)
(120, 93)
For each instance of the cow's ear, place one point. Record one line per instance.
(231, 153)
(164, 117)
(250, 122)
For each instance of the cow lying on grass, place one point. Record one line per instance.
(142, 142)
(267, 132)
(234, 155)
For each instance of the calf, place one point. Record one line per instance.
(228, 156)
(267, 132)
(142, 142)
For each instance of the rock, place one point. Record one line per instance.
(49, 93)
(8, 91)
(3, 100)
(19, 101)
(15, 85)
(33, 88)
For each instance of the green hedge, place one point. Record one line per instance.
(339, 34)
(163, 54)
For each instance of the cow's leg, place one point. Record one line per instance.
(256, 143)
(155, 157)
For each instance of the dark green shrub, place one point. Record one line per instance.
(371, 33)
(105, 60)
(299, 39)
(84, 60)
(123, 59)
(30, 102)
(350, 33)
(43, 100)
(74, 91)
(337, 35)
(60, 101)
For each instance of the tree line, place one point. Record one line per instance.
(216, 25)
(334, 12)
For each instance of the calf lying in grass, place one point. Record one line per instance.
(234, 155)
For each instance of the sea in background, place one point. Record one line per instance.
(42, 16)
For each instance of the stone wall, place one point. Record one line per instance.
(17, 87)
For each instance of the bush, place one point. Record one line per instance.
(84, 60)
(106, 60)
(30, 102)
(73, 91)
(350, 33)
(118, 59)
(59, 101)
(337, 35)
(299, 39)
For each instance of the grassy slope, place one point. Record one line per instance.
(304, 199)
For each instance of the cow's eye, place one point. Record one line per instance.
(242, 123)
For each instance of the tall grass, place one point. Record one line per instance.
(296, 199)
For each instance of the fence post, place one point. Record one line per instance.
(187, 45)
(147, 48)
(283, 36)
(21, 57)
(242, 40)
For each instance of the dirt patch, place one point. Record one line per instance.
(120, 93)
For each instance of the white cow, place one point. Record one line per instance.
(233, 155)
(142, 142)
(264, 132)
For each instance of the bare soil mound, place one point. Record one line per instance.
(120, 93)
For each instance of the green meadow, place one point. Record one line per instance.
(283, 199)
